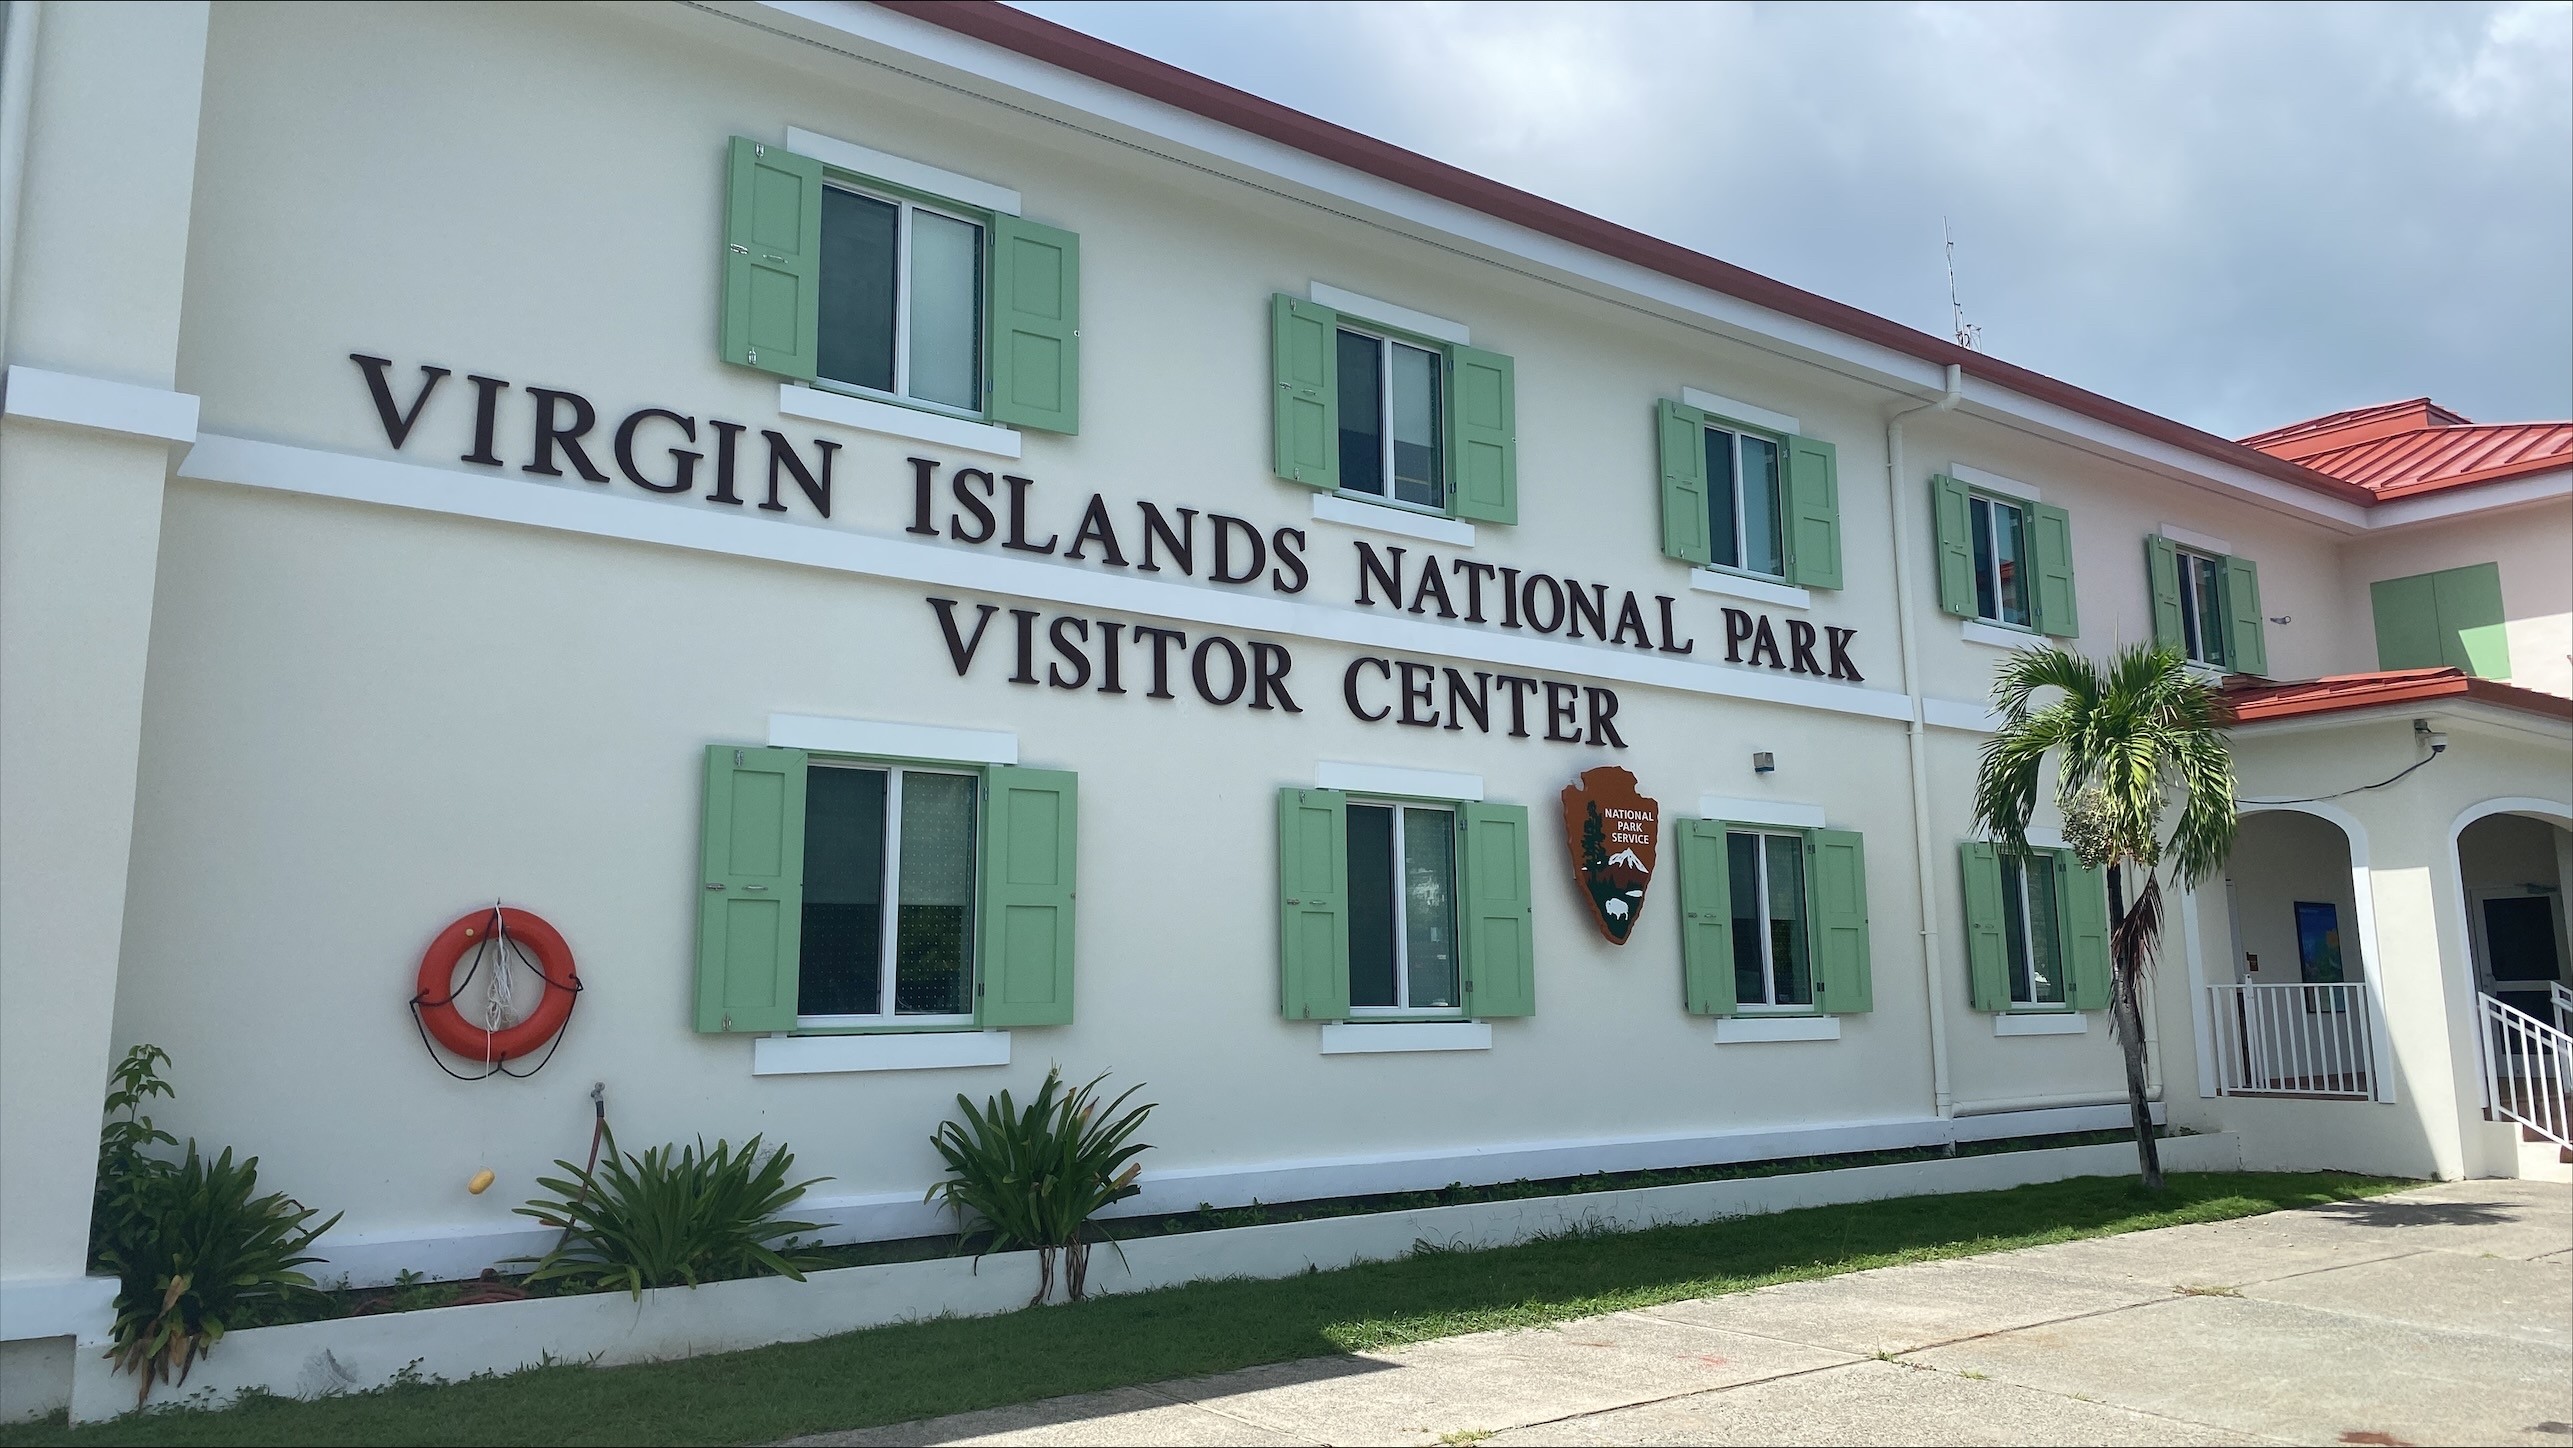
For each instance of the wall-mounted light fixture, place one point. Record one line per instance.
(1764, 762)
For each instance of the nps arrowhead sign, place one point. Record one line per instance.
(1615, 835)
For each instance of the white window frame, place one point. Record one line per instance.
(901, 393)
(2193, 623)
(891, 889)
(2028, 939)
(1991, 531)
(1770, 1005)
(1385, 343)
(1778, 502)
(1402, 1005)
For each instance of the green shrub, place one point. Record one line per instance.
(1034, 1178)
(674, 1216)
(194, 1247)
(126, 1164)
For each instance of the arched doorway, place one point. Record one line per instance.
(2515, 867)
(2296, 1014)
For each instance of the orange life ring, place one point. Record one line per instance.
(434, 999)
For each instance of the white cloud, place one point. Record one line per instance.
(2234, 215)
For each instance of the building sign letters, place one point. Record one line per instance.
(1112, 656)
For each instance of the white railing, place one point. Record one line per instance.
(2528, 1068)
(2560, 996)
(2293, 1040)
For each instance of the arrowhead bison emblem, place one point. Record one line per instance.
(1615, 836)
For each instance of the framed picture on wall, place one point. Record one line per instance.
(2318, 944)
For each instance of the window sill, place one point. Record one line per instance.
(1385, 518)
(902, 1051)
(1734, 585)
(1359, 1038)
(2040, 1021)
(1999, 635)
(894, 420)
(1738, 1030)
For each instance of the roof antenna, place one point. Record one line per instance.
(1967, 333)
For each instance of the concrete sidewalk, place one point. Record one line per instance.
(2441, 1315)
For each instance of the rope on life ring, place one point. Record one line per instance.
(495, 934)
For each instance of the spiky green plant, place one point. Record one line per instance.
(2129, 740)
(1033, 1177)
(674, 1216)
(198, 1250)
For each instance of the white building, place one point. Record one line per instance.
(693, 473)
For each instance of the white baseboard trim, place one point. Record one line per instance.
(314, 1359)
(81, 1308)
(370, 1259)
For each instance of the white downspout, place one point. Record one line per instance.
(1942, 1094)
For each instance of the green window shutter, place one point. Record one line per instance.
(1680, 432)
(1500, 938)
(1813, 513)
(2472, 635)
(1313, 904)
(1033, 326)
(1030, 860)
(1706, 919)
(772, 259)
(1483, 435)
(2407, 622)
(2245, 643)
(1952, 516)
(1304, 363)
(1836, 898)
(750, 907)
(2051, 531)
(2162, 570)
(1987, 956)
(2081, 902)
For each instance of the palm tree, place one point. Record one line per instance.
(2127, 740)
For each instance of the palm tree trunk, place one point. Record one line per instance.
(2130, 947)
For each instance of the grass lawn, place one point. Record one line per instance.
(919, 1370)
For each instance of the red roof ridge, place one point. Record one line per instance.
(1139, 74)
(2263, 703)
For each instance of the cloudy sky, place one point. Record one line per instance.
(2237, 216)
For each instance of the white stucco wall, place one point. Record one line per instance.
(361, 720)
(2529, 544)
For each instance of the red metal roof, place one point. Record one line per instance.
(2268, 703)
(2404, 449)
(1043, 40)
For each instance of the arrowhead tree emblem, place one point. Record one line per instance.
(1615, 836)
